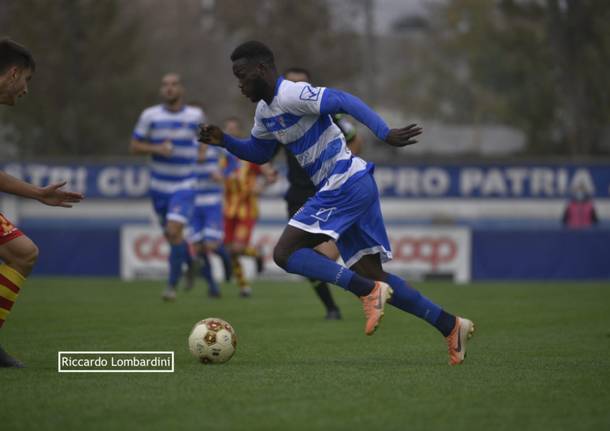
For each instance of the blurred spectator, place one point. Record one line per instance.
(580, 212)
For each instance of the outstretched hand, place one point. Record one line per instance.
(403, 137)
(211, 135)
(52, 195)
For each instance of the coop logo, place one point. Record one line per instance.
(434, 251)
(148, 247)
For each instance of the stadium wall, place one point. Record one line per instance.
(511, 212)
(494, 254)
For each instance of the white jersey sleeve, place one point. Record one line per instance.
(201, 118)
(142, 129)
(300, 98)
(259, 131)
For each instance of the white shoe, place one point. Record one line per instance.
(169, 294)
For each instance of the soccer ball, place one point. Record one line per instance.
(212, 340)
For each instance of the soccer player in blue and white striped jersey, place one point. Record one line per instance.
(167, 132)
(346, 205)
(207, 222)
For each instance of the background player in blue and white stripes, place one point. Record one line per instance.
(167, 132)
(207, 222)
(346, 206)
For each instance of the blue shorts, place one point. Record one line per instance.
(352, 217)
(207, 223)
(177, 206)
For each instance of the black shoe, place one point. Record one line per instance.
(7, 361)
(228, 268)
(189, 275)
(333, 314)
(260, 261)
(213, 294)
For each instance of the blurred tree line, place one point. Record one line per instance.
(537, 65)
(99, 62)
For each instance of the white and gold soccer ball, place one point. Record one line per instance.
(213, 340)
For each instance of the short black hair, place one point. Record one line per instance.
(14, 54)
(299, 70)
(253, 51)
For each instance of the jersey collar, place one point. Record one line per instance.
(173, 112)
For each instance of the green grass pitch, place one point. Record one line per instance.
(540, 360)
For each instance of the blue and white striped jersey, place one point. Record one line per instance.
(294, 119)
(209, 192)
(157, 125)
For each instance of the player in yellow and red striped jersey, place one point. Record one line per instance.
(17, 252)
(242, 188)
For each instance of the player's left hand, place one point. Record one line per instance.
(403, 137)
(211, 135)
(52, 195)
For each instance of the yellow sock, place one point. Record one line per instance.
(251, 251)
(238, 271)
(10, 284)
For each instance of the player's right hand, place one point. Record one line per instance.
(52, 195)
(165, 149)
(211, 135)
(403, 137)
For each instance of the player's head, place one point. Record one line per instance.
(254, 67)
(16, 68)
(171, 88)
(232, 126)
(297, 74)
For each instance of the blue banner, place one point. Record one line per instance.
(493, 181)
(95, 181)
(501, 181)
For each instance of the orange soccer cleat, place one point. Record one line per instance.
(373, 304)
(456, 341)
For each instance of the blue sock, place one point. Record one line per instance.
(410, 300)
(206, 272)
(308, 263)
(187, 254)
(226, 261)
(176, 259)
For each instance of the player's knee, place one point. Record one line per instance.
(174, 235)
(280, 256)
(26, 259)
